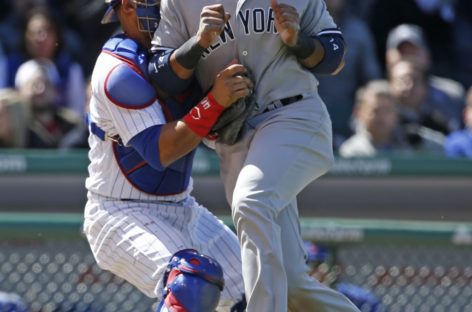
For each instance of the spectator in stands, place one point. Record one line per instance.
(43, 40)
(459, 143)
(361, 66)
(408, 42)
(420, 103)
(435, 17)
(13, 120)
(85, 25)
(377, 127)
(13, 13)
(78, 137)
(49, 123)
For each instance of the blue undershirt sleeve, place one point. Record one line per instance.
(162, 74)
(146, 143)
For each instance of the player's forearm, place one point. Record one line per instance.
(323, 54)
(187, 56)
(166, 74)
(176, 141)
(171, 70)
(161, 145)
(179, 70)
(180, 137)
(313, 49)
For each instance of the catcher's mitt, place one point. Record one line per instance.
(228, 128)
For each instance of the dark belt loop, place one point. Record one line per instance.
(283, 102)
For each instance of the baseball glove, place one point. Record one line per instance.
(228, 128)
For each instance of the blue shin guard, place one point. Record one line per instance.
(192, 283)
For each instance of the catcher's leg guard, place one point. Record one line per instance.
(192, 283)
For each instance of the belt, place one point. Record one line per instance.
(283, 102)
(100, 133)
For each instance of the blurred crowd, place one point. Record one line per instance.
(406, 87)
(47, 51)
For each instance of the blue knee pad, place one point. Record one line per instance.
(192, 283)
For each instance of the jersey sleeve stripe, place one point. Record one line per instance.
(329, 32)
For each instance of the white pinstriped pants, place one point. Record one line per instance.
(135, 240)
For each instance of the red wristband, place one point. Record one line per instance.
(201, 118)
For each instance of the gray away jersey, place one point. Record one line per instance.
(251, 38)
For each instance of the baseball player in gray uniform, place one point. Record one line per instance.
(141, 221)
(287, 141)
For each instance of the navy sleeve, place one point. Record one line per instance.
(146, 143)
(162, 74)
(334, 48)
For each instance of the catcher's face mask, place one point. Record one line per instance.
(148, 12)
(149, 15)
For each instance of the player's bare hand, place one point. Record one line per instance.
(287, 22)
(231, 84)
(212, 22)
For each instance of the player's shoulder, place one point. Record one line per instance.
(125, 81)
(119, 44)
(315, 16)
(126, 87)
(127, 49)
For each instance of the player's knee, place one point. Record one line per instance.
(192, 283)
(254, 207)
(247, 217)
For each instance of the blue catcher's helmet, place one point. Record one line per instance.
(192, 283)
(148, 12)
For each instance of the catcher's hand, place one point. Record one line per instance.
(228, 128)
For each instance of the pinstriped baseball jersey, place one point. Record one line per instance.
(132, 233)
(249, 36)
(105, 177)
